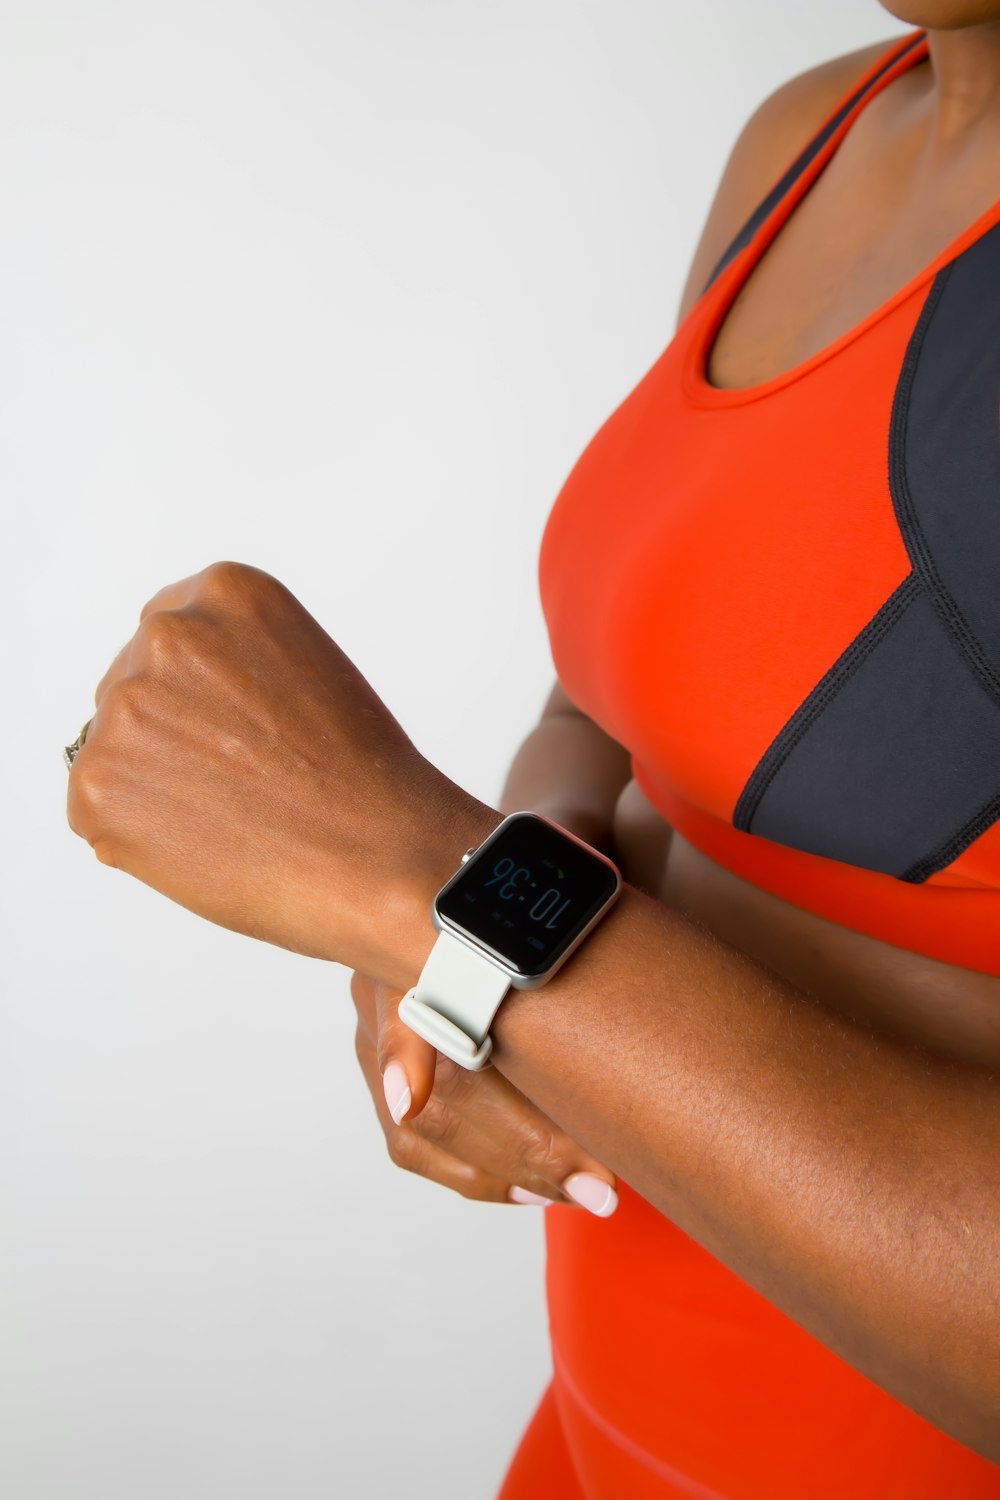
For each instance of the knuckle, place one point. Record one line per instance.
(166, 636)
(436, 1122)
(123, 706)
(114, 672)
(475, 1189)
(80, 800)
(123, 699)
(88, 807)
(95, 777)
(105, 853)
(156, 602)
(241, 591)
(539, 1146)
(450, 1077)
(76, 808)
(90, 810)
(239, 581)
(226, 574)
(466, 1191)
(89, 786)
(403, 1149)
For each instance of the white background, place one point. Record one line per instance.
(340, 289)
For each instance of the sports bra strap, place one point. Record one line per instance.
(767, 205)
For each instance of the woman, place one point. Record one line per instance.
(770, 587)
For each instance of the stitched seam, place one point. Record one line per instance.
(820, 698)
(955, 844)
(915, 541)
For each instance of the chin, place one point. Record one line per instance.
(943, 15)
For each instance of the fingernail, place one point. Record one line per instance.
(397, 1091)
(592, 1193)
(521, 1195)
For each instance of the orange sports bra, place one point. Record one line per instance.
(785, 599)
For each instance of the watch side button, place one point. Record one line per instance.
(467, 856)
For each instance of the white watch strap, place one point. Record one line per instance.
(454, 1001)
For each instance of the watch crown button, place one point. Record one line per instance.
(467, 855)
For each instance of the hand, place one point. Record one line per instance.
(473, 1132)
(239, 763)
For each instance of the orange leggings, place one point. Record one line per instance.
(542, 1464)
(674, 1378)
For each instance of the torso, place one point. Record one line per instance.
(880, 212)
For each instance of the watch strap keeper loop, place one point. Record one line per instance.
(444, 1034)
(455, 999)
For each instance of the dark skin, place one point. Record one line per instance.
(829, 1125)
(915, 170)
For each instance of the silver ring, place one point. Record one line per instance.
(72, 751)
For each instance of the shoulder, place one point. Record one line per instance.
(769, 141)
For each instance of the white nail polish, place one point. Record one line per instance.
(521, 1195)
(397, 1091)
(592, 1193)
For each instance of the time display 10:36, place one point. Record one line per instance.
(528, 893)
(514, 882)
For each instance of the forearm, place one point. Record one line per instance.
(569, 770)
(852, 1180)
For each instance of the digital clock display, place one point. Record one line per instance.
(527, 893)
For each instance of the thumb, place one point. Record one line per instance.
(405, 1060)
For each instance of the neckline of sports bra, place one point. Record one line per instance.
(712, 312)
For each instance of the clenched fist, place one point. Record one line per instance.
(239, 763)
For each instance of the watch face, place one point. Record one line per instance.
(528, 893)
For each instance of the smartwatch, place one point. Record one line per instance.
(511, 915)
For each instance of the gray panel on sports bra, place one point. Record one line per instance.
(904, 751)
(893, 760)
(944, 471)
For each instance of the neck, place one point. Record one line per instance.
(965, 93)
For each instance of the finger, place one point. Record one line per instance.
(483, 1118)
(118, 668)
(363, 995)
(171, 596)
(406, 1061)
(414, 1153)
(216, 582)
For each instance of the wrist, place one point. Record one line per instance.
(592, 827)
(409, 933)
(509, 915)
